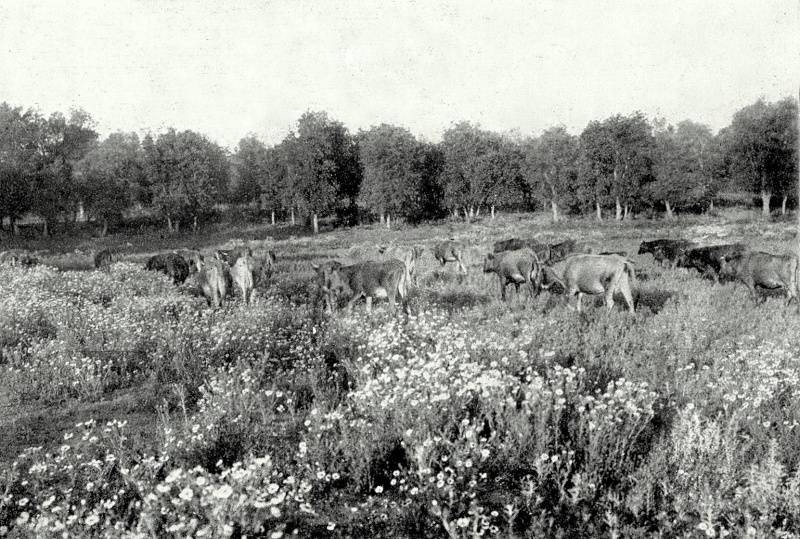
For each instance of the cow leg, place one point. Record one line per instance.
(369, 303)
(503, 285)
(461, 266)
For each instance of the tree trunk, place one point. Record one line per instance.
(292, 216)
(382, 217)
(492, 212)
(599, 211)
(627, 211)
(194, 224)
(618, 217)
(466, 214)
(177, 225)
(711, 206)
(388, 220)
(316, 224)
(765, 199)
(14, 226)
(670, 214)
(105, 228)
(783, 204)
(169, 223)
(46, 228)
(554, 208)
(273, 217)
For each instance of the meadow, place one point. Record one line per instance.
(131, 410)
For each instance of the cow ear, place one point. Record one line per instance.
(315, 266)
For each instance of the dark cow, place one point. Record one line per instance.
(666, 250)
(194, 258)
(371, 279)
(763, 270)
(595, 274)
(450, 251)
(708, 260)
(171, 264)
(619, 253)
(230, 256)
(542, 250)
(104, 258)
(560, 251)
(517, 267)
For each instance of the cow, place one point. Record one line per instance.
(213, 278)
(408, 255)
(666, 250)
(517, 267)
(619, 253)
(764, 270)
(542, 250)
(104, 258)
(708, 260)
(560, 251)
(171, 264)
(242, 276)
(450, 251)
(371, 279)
(595, 274)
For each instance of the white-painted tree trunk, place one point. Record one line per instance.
(492, 212)
(554, 208)
(618, 216)
(388, 220)
(316, 224)
(273, 217)
(765, 199)
(599, 211)
(670, 213)
(292, 216)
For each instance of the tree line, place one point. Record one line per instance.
(54, 166)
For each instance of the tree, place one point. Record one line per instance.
(248, 170)
(478, 166)
(762, 148)
(392, 162)
(551, 168)
(617, 161)
(323, 170)
(18, 130)
(108, 177)
(681, 170)
(187, 174)
(60, 143)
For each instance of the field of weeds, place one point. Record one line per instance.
(129, 409)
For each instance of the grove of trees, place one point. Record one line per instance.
(55, 167)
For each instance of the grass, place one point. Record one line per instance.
(471, 416)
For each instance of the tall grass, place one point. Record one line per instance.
(470, 417)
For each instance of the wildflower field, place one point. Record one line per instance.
(130, 409)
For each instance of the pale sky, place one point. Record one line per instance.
(226, 69)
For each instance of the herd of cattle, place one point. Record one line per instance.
(579, 268)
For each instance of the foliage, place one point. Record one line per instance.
(551, 168)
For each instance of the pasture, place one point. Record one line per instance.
(132, 409)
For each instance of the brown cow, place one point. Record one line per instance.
(171, 264)
(595, 274)
(214, 281)
(450, 251)
(370, 280)
(104, 258)
(517, 267)
(407, 255)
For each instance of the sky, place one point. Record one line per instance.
(230, 69)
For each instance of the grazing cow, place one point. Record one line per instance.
(542, 250)
(18, 257)
(450, 251)
(242, 276)
(595, 274)
(171, 264)
(408, 255)
(708, 260)
(213, 278)
(666, 250)
(517, 267)
(369, 279)
(764, 270)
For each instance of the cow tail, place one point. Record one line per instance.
(797, 280)
(629, 269)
